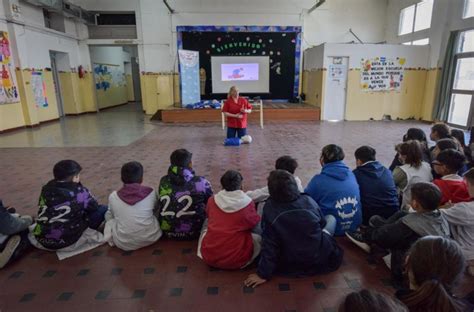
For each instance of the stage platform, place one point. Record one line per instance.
(271, 112)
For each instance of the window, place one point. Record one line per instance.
(466, 41)
(407, 16)
(461, 109)
(424, 41)
(423, 14)
(468, 8)
(116, 19)
(416, 17)
(53, 20)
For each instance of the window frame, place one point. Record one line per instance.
(414, 18)
(457, 57)
(466, 3)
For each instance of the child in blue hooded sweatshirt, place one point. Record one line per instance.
(378, 192)
(336, 190)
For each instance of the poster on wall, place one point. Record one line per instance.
(382, 74)
(8, 88)
(190, 77)
(107, 76)
(39, 89)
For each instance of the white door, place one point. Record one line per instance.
(336, 85)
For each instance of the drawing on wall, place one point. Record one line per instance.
(8, 88)
(382, 74)
(39, 89)
(107, 76)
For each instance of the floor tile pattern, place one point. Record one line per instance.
(168, 276)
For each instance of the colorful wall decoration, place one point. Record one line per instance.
(281, 43)
(190, 79)
(382, 74)
(108, 76)
(8, 88)
(39, 89)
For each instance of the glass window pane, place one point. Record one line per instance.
(459, 109)
(424, 11)
(468, 8)
(466, 41)
(422, 41)
(406, 20)
(407, 43)
(464, 78)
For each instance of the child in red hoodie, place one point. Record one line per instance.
(452, 186)
(227, 241)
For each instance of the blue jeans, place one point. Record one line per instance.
(97, 217)
(331, 223)
(239, 132)
(10, 225)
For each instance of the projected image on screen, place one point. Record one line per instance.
(239, 72)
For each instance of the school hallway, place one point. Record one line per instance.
(168, 276)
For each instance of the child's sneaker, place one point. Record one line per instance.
(9, 250)
(377, 221)
(358, 239)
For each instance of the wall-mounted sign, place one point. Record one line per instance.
(382, 74)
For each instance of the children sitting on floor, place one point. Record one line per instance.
(461, 221)
(227, 241)
(445, 144)
(400, 231)
(68, 215)
(378, 193)
(434, 267)
(283, 163)
(413, 170)
(459, 136)
(182, 198)
(452, 186)
(336, 190)
(13, 235)
(131, 223)
(296, 236)
(371, 301)
(418, 135)
(440, 131)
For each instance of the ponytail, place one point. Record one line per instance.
(432, 296)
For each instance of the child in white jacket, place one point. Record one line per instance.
(460, 217)
(131, 223)
(286, 163)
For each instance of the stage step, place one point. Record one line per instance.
(214, 115)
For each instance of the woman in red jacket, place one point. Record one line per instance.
(227, 242)
(236, 109)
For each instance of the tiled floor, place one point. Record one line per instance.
(119, 126)
(168, 276)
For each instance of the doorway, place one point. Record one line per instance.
(116, 76)
(336, 88)
(54, 56)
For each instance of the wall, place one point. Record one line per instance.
(156, 29)
(362, 105)
(447, 17)
(11, 115)
(31, 43)
(114, 56)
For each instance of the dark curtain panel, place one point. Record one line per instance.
(443, 97)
